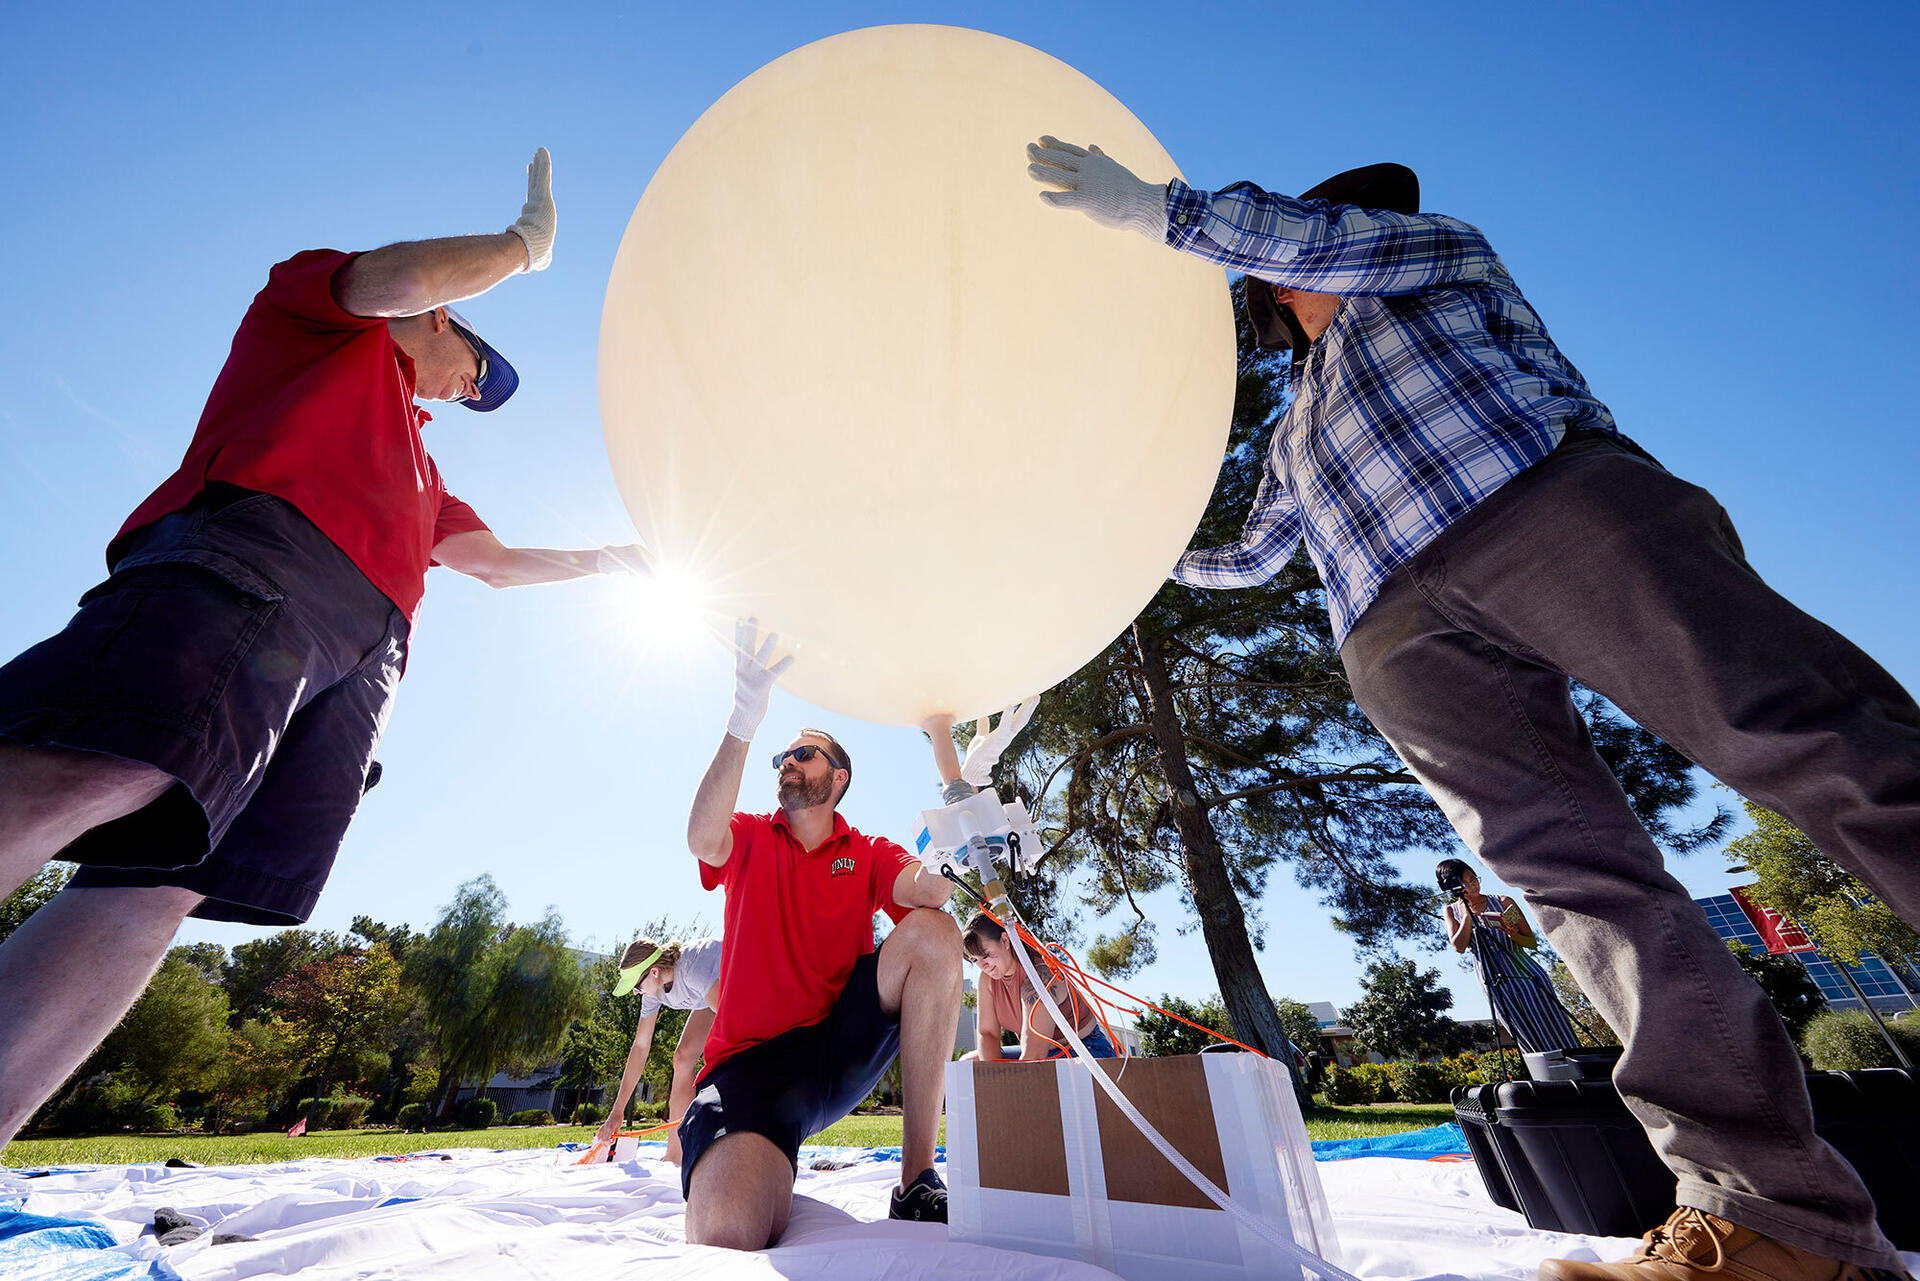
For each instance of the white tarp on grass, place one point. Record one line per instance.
(528, 1215)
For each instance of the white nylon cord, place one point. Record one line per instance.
(1246, 1218)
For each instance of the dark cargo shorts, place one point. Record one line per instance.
(797, 1083)
(237, 649)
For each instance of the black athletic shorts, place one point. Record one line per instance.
(237, 649)
(801, 1081)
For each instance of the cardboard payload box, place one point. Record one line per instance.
(1040, 1159)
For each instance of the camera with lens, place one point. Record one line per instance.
(1451, 883)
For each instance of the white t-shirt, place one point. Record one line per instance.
(694, 975)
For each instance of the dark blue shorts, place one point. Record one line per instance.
(801, 1081)
(237, 649)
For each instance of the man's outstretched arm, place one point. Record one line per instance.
(478, 554)
(419, 275)
(710, 825)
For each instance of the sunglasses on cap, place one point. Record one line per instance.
(804, 753)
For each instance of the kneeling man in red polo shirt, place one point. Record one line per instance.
(812, 1015)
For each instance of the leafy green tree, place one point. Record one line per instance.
(174, 1037)
(396, 937)
(495, 994)
(339, 1011)
(31, 897)
(1795, 996)
(1401, 1010)
(1161, 1036)
(1301, 1024)
(1834, 907)
(254, 967)
(1217, 740)
(254, 1075)
(209, 958)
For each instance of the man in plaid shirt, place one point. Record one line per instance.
(1486, 534)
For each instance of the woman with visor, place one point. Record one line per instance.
(681, 976)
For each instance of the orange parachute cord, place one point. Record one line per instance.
(598, 1144)
(1060, 966)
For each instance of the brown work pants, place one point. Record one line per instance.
(1599, 566)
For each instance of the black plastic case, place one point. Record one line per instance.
(1571, 1158)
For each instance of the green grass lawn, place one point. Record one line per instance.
(855, 1131)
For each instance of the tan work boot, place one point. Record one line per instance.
(1694, 1245)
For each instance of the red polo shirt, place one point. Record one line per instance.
(315, 406)
(795, 922)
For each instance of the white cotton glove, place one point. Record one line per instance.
(535, 225)
(753, 678)
(1098, 186)
(984, 752)
(631, 558)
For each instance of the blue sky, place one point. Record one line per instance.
(1711, 205)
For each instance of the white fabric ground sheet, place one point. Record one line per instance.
(528, 1215)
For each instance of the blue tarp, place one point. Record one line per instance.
(38, 1247)
(1414, 1145)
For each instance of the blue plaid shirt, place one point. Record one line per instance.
(1435, 384)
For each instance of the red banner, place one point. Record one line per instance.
(1779, 933)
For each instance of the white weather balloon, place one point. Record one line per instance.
(860, 382)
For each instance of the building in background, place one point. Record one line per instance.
(1890, 989)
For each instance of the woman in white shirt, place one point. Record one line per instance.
(682, 976)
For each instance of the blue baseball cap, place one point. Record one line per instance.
(498, 380)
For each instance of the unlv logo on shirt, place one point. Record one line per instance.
(841, 867)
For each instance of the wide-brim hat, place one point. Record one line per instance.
(501, 379)
(1388, 186)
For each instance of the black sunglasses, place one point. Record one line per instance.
(804, 753)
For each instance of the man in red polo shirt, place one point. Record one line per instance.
(811, 1015)
(199, 735)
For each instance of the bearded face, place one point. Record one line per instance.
(797, 792)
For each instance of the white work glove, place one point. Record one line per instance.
(753, 678)
(535, 225)
(631, 559)
(984, 752)
(1098, 186)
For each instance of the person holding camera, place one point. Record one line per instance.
(1498, 933)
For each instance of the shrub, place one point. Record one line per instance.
(1419, 1082)
(336, 1112)
(589, 1114)
(422, 1086)
(413, 1116)
(648, 1111)
(1841, 1039)
(1469, 1069)
(1382, 1080)
(1345, 1087)
(531, 1116)
(347, 1111)
(476, 1114)
(108, 1109)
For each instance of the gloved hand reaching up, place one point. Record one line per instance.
(754, 676)
(1098, 186)
(984, 752)
(535, 224)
